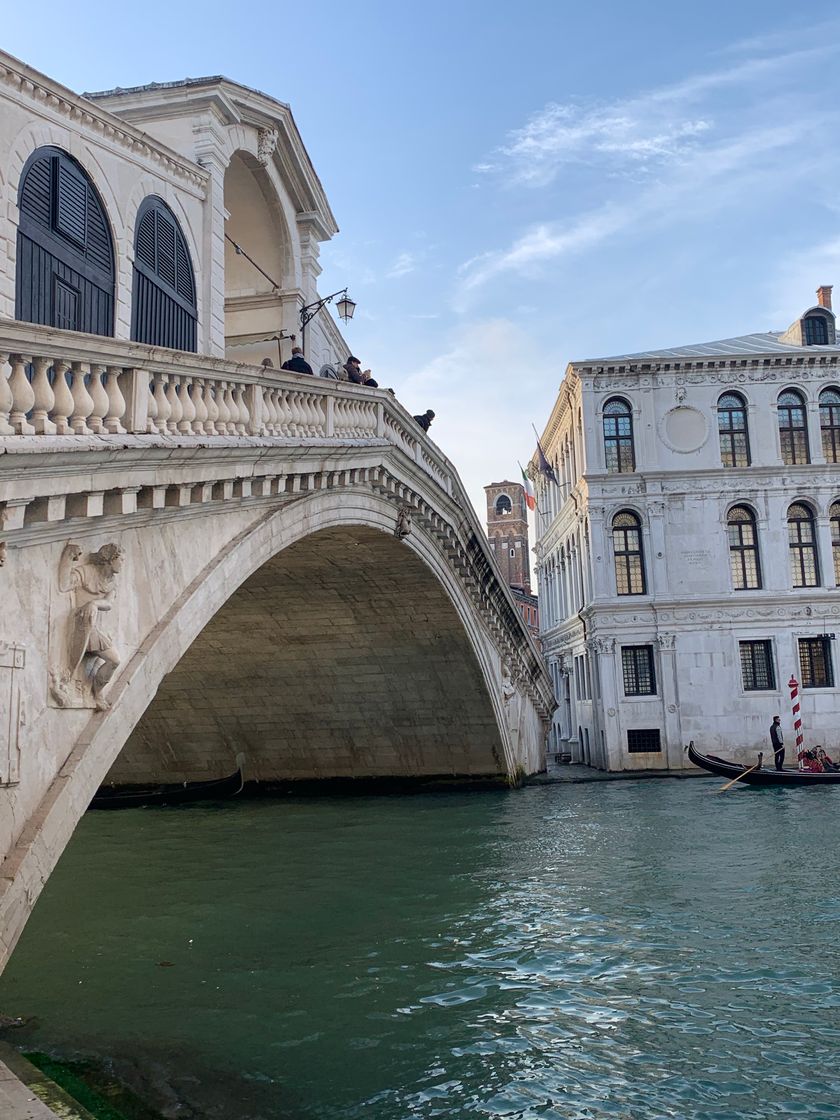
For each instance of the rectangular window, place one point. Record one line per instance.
(815, 667)
(638, 670)
(644, 741)
(757, 671)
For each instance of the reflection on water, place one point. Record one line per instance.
(633, 949)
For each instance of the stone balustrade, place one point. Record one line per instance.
(61, 383)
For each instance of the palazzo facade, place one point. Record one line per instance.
(689, 557)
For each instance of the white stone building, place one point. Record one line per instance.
(689, 557)
(121, 210)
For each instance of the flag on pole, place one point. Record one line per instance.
(546, 469)
(530, 500)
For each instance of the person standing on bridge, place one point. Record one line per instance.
(777, 741)
(297, 363)
(425, 420)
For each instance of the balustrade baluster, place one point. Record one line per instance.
(151, 405)
(242, 409)
(175, 410)
(162, 403)
(320, 405)
(116, 401)
(198, 387)
(63, 406)
(221, 405)
(233, 411)
(284, 412)
(96, 420)
(185, 424)
(310, 414)
(210, 399)
(269, 411)
(23, 398)
(44, 398)
(6, 400)
(82, 400)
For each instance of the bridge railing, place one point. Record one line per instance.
(65, 383)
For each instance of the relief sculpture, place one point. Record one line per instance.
(90, 657)
(403, 525)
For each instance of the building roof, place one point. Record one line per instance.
(763, 342)
(181, 83)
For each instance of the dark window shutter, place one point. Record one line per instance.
(185, 284)
(71, 203)
(36, 193)
(98, 237)
(146, 239)
(166, 249)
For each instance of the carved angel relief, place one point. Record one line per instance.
(88, 657)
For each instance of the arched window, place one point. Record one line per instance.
(805, 570)
(618, 437)
(743, 549)
(815, 329)
(830, 424)
(793, 427)
(834, 516)
(627, 549)
(503, 505)
(65, 258)
(732, 426)
(163, 305)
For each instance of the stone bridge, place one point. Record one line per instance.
(205, 561)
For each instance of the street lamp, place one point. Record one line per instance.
(345, 307)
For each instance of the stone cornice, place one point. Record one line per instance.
(714, 371)
(78, 110)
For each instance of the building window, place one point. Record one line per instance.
(618, 437)
(65, 257)
(643, 740)
(815, 668)
(830, 424)
(164, 299)
(793, 428)
(503, 505)
(816, 330)
(743, 549)
(805, 570)
(757, 672)
(627, 547)
(512, 553)
(834, 515)
(732, 426)
(638, 670)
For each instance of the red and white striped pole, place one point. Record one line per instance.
(793, 685)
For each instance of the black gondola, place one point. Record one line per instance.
(763, 776)
(133, 797)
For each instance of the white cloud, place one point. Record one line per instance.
(631, 135)
(405, 263)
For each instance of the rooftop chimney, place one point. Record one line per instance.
(824, 295)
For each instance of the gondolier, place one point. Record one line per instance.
(777, 741)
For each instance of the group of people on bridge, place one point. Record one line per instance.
(351, 371)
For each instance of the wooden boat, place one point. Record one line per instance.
(765, 776)
(132, 797)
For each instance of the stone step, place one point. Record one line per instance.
(28, 1094)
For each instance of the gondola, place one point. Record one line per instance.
(763, 776)
(133, 797)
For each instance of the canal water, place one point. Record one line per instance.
(636, 949)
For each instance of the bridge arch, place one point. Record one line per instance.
(295, 543)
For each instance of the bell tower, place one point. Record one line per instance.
(507, 529)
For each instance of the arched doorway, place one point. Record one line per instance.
(163, 311)
(65, 255)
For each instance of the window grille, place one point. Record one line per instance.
(629, 559)
(805, 571)
(757, 671)
(643, 740)
(815, 666)
(638, 669)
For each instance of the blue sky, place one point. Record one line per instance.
(518, 185)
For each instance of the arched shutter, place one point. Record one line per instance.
(65, 258)
(164, 304)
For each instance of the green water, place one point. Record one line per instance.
(620, 949)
